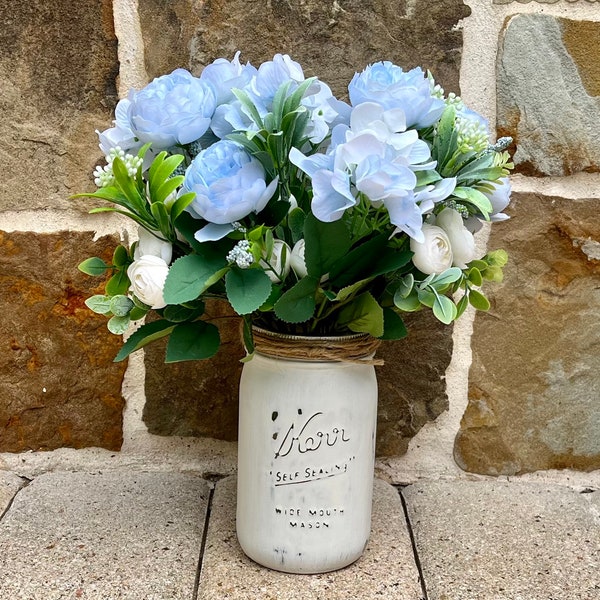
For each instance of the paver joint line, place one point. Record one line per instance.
(414, 546)
(211, 493)
(26, 481)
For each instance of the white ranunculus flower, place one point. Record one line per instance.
(297, 259)
(151, 245)
(148, 275)
(434, 253)
(278, 266)
(461, 239)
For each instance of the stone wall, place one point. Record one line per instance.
(529, 401)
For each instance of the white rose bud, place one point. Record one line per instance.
(461, 239)
(150, 245)
(297, 259)
(278, 268)
(434, 254)
(148, 275)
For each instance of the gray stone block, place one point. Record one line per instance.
(103, 537)
(386, 570)
(506, 541)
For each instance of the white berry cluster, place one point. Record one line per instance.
(103, 176)
(241, 255)
(472, 135)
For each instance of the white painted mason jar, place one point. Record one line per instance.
(305, 460)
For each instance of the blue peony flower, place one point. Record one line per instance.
(172, 109)
(229, 185)
(392, 87)
(224, 76)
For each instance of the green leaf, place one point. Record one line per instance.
(296, 218)
(408, 303)
(407, 283)
(144, 335)
(121, 257)
(461, 306)
(187, 226)
(121, 305)
(128, 186)
(192, 341)
(118, 284)
(478, 300)
(137, 313)
(167, 188)
(474, 276)
(247, 335)
(248, 107)
(118, 325)
(269, 303)
(444, 309)
(159, 173)
(181, 204)
(178, 314)
(480, 201)
(325, 244)
(447, 277)
(497, 258)
(247, 289)
(298, 303)
(363, 315)
(191, 275)
(159, 212)
(426, 297)
(368, 259)
(493, 273)
(393, 325)
(93, 266)
(349, 290)
(99, 304)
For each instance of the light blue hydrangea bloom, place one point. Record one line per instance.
(229, 185)
(392, 87)
(173, 109)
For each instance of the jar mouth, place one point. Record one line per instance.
(357, 348)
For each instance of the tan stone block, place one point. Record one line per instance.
(58, 66)
(331, 40)
(534, 385)
(58, 384)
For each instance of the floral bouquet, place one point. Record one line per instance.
(307, 214)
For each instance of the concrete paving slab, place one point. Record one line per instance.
(103, 537)
(387, 570)
(10, 484)
(506, 541)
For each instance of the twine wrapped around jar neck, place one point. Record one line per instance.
(356, 348)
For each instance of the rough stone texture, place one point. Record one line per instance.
(10, 484)
(386, 570)
(330, 39)
(197, 398)
(58, 384)
(58, 65)
(549, 94)
(412, 388)
(201, 398)
(505, 541)
(534, 386)
(99, 536)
